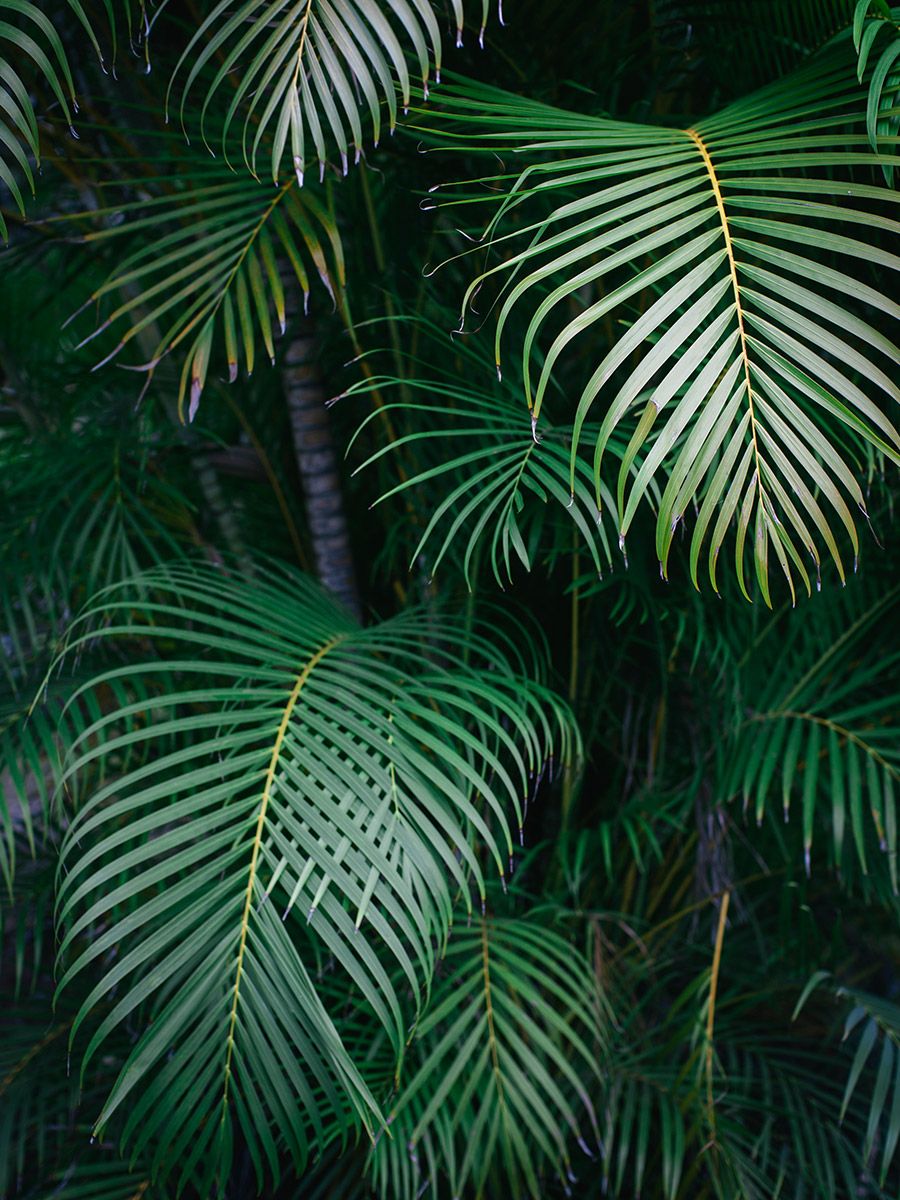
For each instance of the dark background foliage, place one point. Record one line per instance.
(694, 962)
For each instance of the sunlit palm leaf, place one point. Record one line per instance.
(310, 72)
(333, 781)
(751, 378)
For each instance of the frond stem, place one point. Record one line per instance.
(292, 701)
(245, 250)
(711, 1014)
(302, 45)
(840, 730)
(735, 285)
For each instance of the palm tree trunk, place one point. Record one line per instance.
(317, 464)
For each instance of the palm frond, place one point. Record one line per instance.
(871, 18)
(29, 41)
(60, 544)
(334, 783)
(745, 378)
(204, 271)
(310, 72)
(871, 1030)
(506, 1064)
(497, 485)
(821, 729)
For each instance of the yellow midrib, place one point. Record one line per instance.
(257, 842)
(735, 286)
(302, 46)
(711, 1014)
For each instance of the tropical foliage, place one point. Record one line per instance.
(557, 856)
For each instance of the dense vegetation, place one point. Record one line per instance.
(449, 608)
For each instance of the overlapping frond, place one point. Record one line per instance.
(820, 730)
(506, 1064)
(752, 378)
(490, 485)
(37, 1100)
(329, 782)
(640, 1106)
(871, 1033)
(204, 270)
(62, 537)
(45, 1144)
(310, 73)
(871, 19)
(740, 1086)
(29, 41)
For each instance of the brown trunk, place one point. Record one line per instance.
(317, 464)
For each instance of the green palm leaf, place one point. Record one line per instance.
(507, 1060)
(59, 545)
(307, 68)
(32, 47)
(750, 378)
(871, 18)
(205, 270)
(330, 783)
(871, 1031)
(495, 482)
(29, 42)
(821, 730)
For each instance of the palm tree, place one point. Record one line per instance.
(448, 736)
